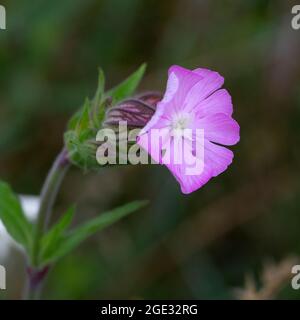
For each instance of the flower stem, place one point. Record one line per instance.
(35, 274)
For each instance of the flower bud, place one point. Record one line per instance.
(105, 112)
(121, 126)
(136, 112)
(150, 98)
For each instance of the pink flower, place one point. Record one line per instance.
(193, 100)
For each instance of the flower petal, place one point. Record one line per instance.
(185, 80)
(220, 128)
(188, 182)
(154, 142)
(217, 157)
(172, 87)
(219, 102)
(158, 120)
(180, 81)
(211, 82)
(216, 160)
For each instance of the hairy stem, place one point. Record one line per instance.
(35, 274)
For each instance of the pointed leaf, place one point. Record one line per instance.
(52, 239)
(98, 108)
(84, 120)
(13, 217)
(100, 88)
(127, 87)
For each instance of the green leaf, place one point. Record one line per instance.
(84, 119)
(81, 120)
(72, 124)
(128, 86)
(13, 217)
(98, 103)
(100, 88)
(52, 239)
(75, 237)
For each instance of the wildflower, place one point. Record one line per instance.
(193, 101)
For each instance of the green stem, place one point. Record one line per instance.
(48, 196)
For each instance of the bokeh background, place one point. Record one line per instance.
(242, 228)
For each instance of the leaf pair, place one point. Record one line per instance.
(59, 241)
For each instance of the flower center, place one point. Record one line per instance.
(180, 122)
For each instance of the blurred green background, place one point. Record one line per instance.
(199, 246)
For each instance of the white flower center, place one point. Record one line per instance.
(180, 122)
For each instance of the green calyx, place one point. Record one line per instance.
(80, 137)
